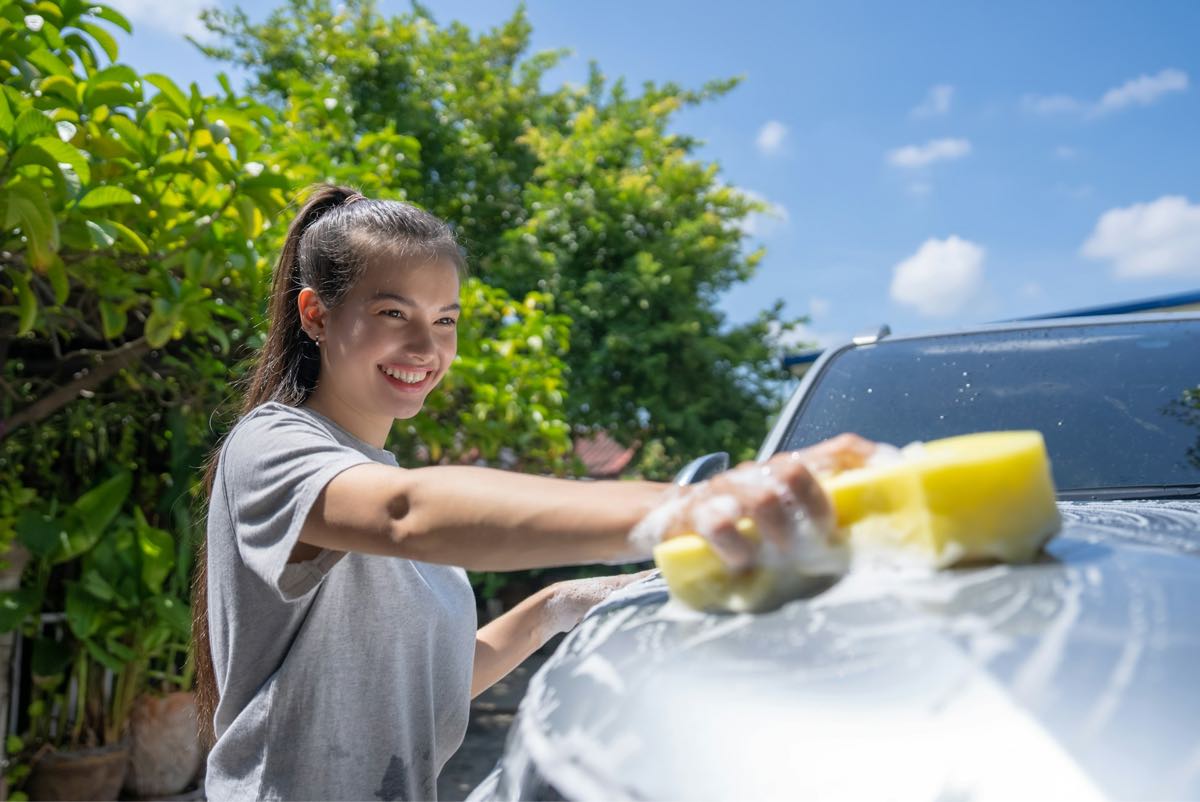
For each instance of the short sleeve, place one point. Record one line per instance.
(273, 468)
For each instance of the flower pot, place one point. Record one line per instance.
(80, 773)
(165, 752)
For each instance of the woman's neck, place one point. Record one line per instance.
(372, 430)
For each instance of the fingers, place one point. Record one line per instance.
(781, 501)
(841, 453)
(811, 500)
(714, 515)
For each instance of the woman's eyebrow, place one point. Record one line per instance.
(400, 299)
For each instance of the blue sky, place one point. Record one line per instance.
(931, 164)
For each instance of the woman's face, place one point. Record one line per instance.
(390, 341)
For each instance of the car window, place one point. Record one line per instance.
(1118, 404)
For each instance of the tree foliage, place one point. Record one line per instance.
(582, 193)
(140, 220)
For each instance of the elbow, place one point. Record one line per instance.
(401, 532)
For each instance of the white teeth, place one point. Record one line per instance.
(405, 376)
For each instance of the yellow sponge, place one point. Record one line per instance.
(978, 496)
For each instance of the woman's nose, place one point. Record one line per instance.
(419, 341)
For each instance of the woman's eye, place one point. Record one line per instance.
(396, 313)
(448, 321)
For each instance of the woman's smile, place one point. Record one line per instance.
(408, 380)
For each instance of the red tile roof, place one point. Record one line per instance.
(603, 456)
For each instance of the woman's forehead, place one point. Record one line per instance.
(428, 282)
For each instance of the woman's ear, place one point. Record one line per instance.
(312, 314)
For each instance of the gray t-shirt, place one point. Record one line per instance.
(347, 676)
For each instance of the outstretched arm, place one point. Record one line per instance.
(479, 518)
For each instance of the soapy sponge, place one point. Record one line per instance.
(979, 496)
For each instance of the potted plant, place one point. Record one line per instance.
(102, 573)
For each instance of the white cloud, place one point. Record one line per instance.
(174, 16)
(770, 137)
(937, 102)
(765, 223)
(935, 150)
(941, 278)
(1149, 240)
(1052, 104)
(1141, 91)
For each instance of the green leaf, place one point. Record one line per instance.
(218, 334)
(157, 553)
(6, 117)
(130, 236)
(110, 94)
(119, 650)
(169, 91)
(103, 236)
(113, 16)
(104, 658)
(112, 319)
(48, 63)
(64, 153)
(50, 657)
(56, 271)
(83, 611)
(175, 613)
(102, 37)
(97, 585)
(118, 73)
(32, 123)
(101, 197)
(29, 208)
(60, 85)
(160, 325)
(38, 532)
(17, 605)
(27, 304)
(101, 504)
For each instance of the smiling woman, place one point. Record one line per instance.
(332, 588)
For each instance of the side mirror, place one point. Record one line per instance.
(702, 468)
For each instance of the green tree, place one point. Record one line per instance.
(581, 193)
(138, 224)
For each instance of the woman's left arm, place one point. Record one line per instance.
(503, 644)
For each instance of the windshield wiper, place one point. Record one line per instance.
(1131, 493)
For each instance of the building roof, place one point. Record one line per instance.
(1178, 302)
(603, 456)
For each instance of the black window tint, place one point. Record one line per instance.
(1118, 404)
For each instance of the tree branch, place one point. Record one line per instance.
(113, 362)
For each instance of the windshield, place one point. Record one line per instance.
(1118, 404)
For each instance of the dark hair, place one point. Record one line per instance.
(328, 246)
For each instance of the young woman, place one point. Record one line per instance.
(335, 628)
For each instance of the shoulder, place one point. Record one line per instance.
(274, 415)
(272, 429)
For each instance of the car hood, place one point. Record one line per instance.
(1072, 677)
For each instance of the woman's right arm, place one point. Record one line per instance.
(490, 520)
(478, 518)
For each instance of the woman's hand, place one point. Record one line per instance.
(781, 497)
(570, 600)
